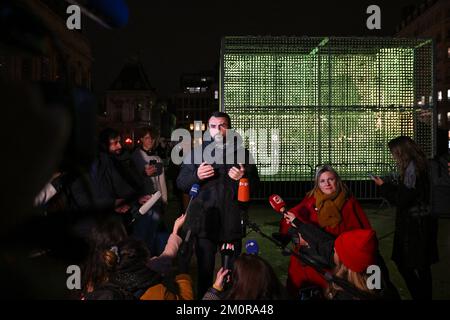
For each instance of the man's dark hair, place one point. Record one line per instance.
(220, 114)
(104, 137)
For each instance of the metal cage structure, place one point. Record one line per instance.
(303, 101)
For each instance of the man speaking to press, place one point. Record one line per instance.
(223, 163)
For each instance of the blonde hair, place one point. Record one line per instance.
(340, 186)
(357, 279)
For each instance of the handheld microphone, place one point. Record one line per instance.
(227, 252)
(251, 247)
(150, 202)
(244, 190)
(193, 193)
(277, 203)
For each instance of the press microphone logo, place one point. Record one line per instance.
(74, 279)
(73, 22)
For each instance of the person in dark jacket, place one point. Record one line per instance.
(415, 246)
(118, 184)
(217, 167)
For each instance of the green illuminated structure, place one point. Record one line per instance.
(333, 100)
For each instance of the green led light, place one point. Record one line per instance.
(333, 100)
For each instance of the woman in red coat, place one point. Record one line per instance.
(331, 206)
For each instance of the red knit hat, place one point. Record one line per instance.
(356, 249)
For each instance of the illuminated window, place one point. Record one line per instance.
(448, 53)
(448, 117)
(439, 95)
(448, 94)
(439, 119)
(216, 95)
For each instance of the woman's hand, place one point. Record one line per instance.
(289, 216)
(221, 274)
(178, 223)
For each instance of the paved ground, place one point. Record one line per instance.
(381, 218)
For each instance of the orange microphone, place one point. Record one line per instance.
(244, 190)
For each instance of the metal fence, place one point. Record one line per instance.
(295, 186)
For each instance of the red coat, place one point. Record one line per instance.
(353, 217)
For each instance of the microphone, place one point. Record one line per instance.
(277, 203)
(193, 193)
(150, 202)
(244, 190)
(227, 252)
(251, 247)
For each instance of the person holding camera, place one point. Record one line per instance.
(147, 160)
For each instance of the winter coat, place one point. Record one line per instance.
(219, 212)
(415, 243)
(353, 217)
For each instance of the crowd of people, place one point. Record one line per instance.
(132, 255)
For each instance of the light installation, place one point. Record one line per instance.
(327, 100)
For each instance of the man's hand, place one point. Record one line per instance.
(150, 170)
(235, 173)
(178, 223)
(378, 181)
(205, 171)
(144, 199)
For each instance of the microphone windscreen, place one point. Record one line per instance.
(195, 189)
(277, 203)
(251, 247)
(244, 190)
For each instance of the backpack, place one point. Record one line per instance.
(440, 186)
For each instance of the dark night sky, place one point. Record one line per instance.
(173, 38)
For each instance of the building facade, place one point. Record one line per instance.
(73, 59)
(130, 102)
(432, 20)
(197, 98)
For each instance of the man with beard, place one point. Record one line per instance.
(223, 163)
(117, 184)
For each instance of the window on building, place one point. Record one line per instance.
(448, 53)
(439, 95)
(216, 95)
(448, 94)
(439, 119)
(448, 117)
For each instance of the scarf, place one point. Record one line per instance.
(329, 207)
